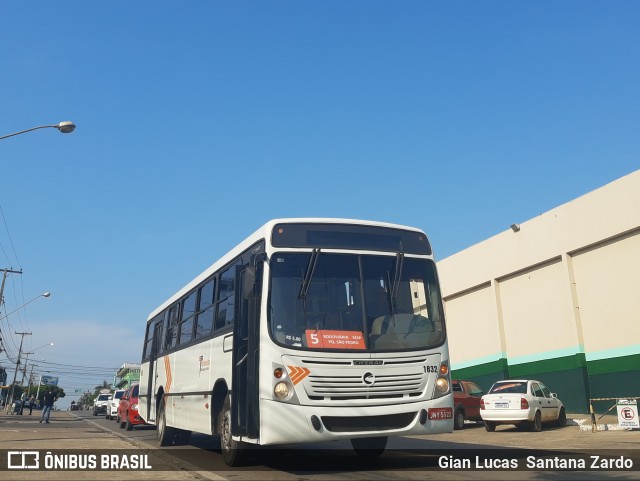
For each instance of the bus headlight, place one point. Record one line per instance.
(281, 390)
(442, 384)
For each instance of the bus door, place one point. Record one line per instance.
(153, 375)
(245, 417)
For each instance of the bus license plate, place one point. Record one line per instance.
(436, 414)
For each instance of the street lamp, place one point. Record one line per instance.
(65, 127)
(44, 294)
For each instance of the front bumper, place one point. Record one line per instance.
(507, 415)
(290, 423)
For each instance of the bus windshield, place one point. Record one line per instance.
(374, 303)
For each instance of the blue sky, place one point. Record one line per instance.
(197, 122)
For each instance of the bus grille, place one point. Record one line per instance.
(343, 387)
(345, 380)
(340, 424)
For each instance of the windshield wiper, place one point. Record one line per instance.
(397, 276)
(306, 282)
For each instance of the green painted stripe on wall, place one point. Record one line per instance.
(558, 364)
(614, 365)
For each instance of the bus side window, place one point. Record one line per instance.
(188, 315)
(148, 341)
(204, 321)
(226, 297)
(171, 336)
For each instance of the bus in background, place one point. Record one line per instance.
(309, 330)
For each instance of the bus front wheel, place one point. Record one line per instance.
(233, 452)
(369, 447)
(166, 434)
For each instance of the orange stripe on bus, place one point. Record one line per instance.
(297, 374)
(167, 368)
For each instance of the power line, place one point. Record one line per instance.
(9, 236)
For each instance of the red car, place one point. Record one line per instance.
(466, 399)
(128, 409)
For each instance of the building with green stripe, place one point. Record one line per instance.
(555, 298)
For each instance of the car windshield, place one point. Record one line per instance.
(104, 397)
(328, 301)
(509, 387)
(118, 394)
(135, 391)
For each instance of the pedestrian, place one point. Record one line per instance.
(32, 402)
(49, 399)
(23, 400)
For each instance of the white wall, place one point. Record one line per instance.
(568, 281)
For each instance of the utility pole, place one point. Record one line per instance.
(15, 374)
(5, 273)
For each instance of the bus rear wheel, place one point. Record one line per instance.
(369, 448)
(233, 452)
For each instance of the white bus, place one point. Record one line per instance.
(309, 330)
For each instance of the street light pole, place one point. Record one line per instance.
(26, 362)
(15, 374)
(44, 294)
(65, 127)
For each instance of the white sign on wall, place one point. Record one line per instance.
(628, 413)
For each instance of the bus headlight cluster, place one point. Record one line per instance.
(442, 381)
(281, 390)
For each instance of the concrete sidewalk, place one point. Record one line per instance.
(66, 431)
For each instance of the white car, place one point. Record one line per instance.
(112, 406)
(525, 403)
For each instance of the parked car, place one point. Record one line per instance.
(524, 403)
(74, 406)
(112, 406)
(100, 403)
(466, 402)
(128, 416)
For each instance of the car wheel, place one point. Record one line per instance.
(127, 424)
(489, 426)
(536, 425)
(458, 420)
(233, 452)
(166, 434)
(562, 418)
(107, 417)
(369, 448)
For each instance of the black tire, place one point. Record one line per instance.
(458, 419)
(562, 418)
(166, 434)
(233, 452)
(95, 413)
(536, 425)
(369, 448)
(121, 423)
(127, 424)
(489, 426)
(107, 417)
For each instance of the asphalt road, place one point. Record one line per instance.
(410, 458)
